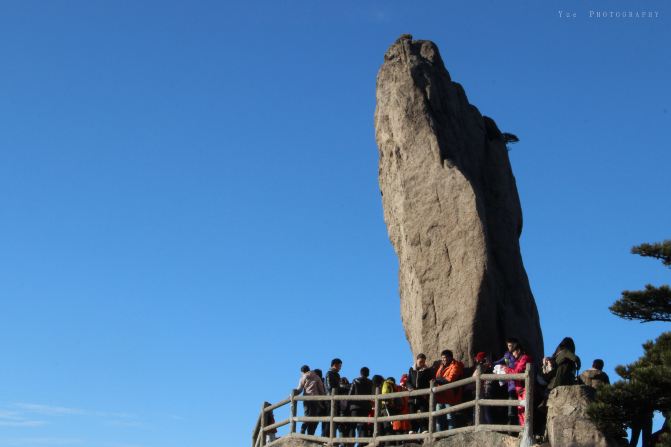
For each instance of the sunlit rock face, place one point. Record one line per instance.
(452, 211)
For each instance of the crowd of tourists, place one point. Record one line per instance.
(560, 369)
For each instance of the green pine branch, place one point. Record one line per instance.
(651, 304)
(658, 250)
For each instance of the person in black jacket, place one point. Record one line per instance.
(332, 383)
(419, 377)
(360, 408)
(346, 429)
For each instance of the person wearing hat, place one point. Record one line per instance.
(402, 427)
(482, 361)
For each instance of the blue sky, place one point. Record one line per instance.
(190, 208)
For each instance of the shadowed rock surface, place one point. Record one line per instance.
(567, 422)
(452, 211)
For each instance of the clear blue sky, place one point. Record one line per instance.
(190, 208)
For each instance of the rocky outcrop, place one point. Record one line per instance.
(478, 439)
(452, 211)
(567, 422)
(289, 441)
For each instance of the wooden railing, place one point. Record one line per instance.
(260, 431)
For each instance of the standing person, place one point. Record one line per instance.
(390, 407)
(346, 429)
(508, 361)
(332, 384)
(402, 427)
(311, 385)
(595, 377)
(450, 370)
(419, 377)
(482, 361)
(521, 362)
(322, 405)
(269, 419)
(361, 386)
(563, 365)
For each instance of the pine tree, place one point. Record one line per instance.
(653, 303)
(645, 385)
(644, 389)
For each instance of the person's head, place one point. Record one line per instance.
(365, 372)
(377, 380)
(404, 379)
(391, 379)
(305, 368)
(446, 357)
(336, 364)
(480, 358)
(420, 361)
(597, 364)
(567, 343)
(344, 381)
(319, 373)
(517, 351)
(512, 343)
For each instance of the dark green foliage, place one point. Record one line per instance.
(645, 388)
(658, 250)
(651, 304)
(509, 138)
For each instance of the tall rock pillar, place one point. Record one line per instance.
(452, 211)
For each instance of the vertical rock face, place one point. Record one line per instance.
(452, 211)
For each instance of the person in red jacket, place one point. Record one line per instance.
(450, 370)
(522, 359)
(402, 427)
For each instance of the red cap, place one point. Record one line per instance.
(480, 356)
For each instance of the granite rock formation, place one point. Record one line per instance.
(452, 211)
(567, 421)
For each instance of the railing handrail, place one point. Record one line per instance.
(477, 402)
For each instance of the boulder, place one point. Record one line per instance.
(290, 441)
(478, 439)
(567, 422)
(452, 211)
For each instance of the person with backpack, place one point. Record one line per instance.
(419, 377)
(361, 386)
(595, 377)
(563, 366)
(450, 370)
(390, 407)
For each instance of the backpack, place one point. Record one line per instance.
(389, 387)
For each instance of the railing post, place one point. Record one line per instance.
(478, 390)
(262, 433)
(292, 413)
(333, 411)
(432, 407)
(376, 412)
(529, 402)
